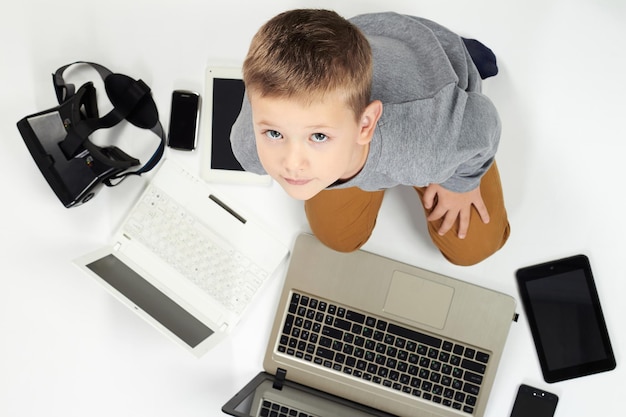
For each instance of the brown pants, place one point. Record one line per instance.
(344, 219)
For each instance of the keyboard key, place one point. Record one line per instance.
(342, 324)
(457, 384)
(325, 353)
(482, 357)
(326, 342)
(288, 324)
(433, 353)
(332, 332)
(473, 378)
(470, 388)
(473, 366)
(413, 335)
(356, 317)
(295, 300)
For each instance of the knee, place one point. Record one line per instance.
(341, 243)
(343, 219)
(468, 258)
(471, 252)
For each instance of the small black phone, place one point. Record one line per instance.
(533, 402)
(565, 318)
(183, 120)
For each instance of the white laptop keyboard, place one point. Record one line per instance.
(178, 238)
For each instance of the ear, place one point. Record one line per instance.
(369, 120)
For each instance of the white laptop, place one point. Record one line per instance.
(186, 259)
(357, 334)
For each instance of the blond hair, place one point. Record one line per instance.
(305, 54)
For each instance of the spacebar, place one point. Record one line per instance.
(413, 335)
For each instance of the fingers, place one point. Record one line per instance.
(464, 222)
(429, 197)
(450, 214)
(482, 211)
(448, 222)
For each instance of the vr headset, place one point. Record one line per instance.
(58, 138)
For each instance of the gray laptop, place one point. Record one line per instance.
(359, 334)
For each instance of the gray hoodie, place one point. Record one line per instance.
(436, 126)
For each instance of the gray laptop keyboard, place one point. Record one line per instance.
(383, 353)
(181, 240)
(273, 409)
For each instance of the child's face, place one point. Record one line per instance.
(307, 147)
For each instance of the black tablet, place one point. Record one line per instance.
(565, 318)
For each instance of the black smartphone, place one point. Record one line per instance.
(565, 318)
(533, 402)
(183, 120)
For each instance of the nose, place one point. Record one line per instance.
(295, 157)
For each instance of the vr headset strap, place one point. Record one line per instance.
(131, 100)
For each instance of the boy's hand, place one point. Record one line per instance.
(450, 206)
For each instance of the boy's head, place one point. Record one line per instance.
(304, 54)
(308, 76)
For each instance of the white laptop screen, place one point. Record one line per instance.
(149, 299)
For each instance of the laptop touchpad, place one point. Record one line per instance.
(418, 299)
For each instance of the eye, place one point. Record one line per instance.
(273, 134)
(319, 137)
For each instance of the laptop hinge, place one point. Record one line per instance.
(279, 379)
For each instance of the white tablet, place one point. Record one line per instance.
(223, 95)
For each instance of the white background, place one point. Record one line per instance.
(67, 348)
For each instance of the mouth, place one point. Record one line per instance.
(292, 181)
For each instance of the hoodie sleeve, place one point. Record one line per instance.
(479, 137)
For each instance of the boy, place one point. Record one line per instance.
(337, 111)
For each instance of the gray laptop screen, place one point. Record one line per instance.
(148, 298)
(261, 398)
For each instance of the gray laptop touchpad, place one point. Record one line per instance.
(418, 299)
